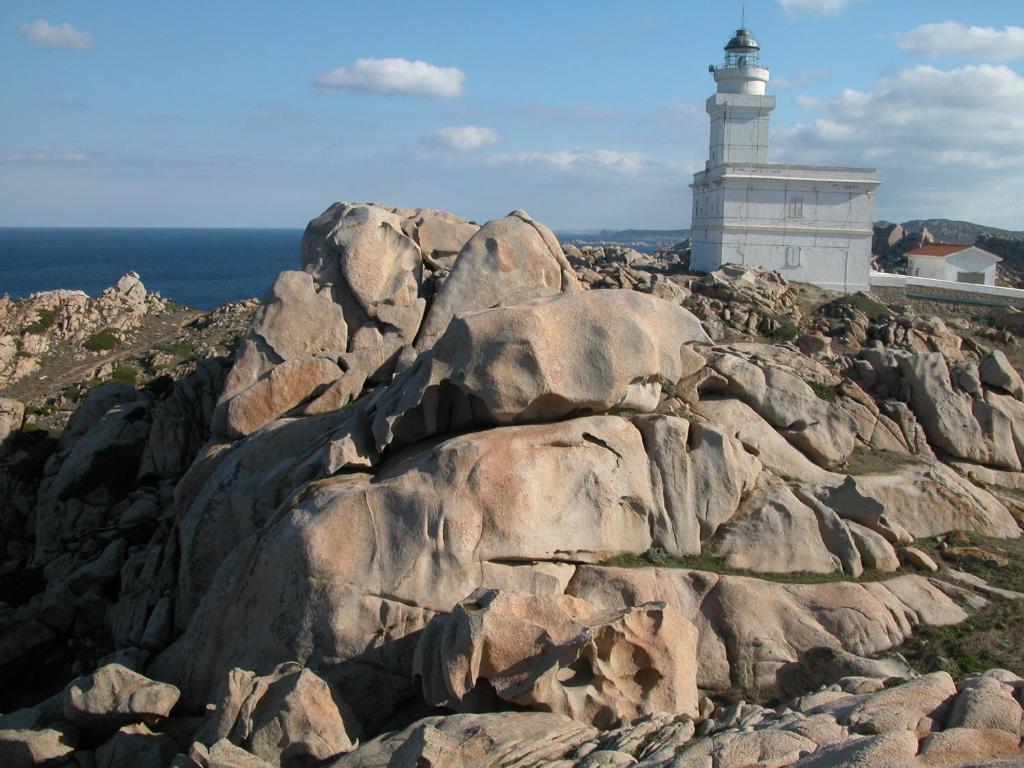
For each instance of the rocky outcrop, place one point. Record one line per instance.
(375, 293)
(289, 718)
(996, 371)
(434, 524)
(541, 360)
(507, 261)
(902, 726)
(71, 323)
(114, 696)
(749, 628)
(442, 472)
(823, 430)
(559, 654)
(12, 413)
(920, 500)
(699, 474)
(98, 454)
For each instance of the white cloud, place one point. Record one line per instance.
(608, 160)
(951, 139)
(465, 138)
(816, 7)
(951, 38)
(62, 35)
(417, 78)
(41, 156)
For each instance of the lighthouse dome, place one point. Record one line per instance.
(743, 40)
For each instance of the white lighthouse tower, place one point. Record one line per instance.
(811, 223)
(739, 110)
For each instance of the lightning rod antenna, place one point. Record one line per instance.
(743, 16)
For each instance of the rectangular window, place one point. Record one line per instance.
(796, 207)
(792, 255)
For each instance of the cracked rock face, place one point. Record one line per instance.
(432, 459)
(507, 261)
(542, 360)
(418, 536)
(748, 628)
(559, 654)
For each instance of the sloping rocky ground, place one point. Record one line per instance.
(462, 497)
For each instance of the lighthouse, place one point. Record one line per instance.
(811, 223)
(739, 109)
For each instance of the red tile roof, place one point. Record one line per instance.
(937, 250)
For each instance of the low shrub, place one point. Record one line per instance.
(102, 341)
(874, 310)
(784, 331)
(823, 391)
(45, 318)
(125, 374)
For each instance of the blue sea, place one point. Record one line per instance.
(200, 268)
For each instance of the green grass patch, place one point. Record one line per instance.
(993, 637)
(173, 347)
(45, 318)
(232, 342)
(784, 331)
(657, 558)
(46, 409)
(102, 341)
(875, 310)
(125, 374)
(823, 391)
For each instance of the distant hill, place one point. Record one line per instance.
(950, 231)
(1005, 243)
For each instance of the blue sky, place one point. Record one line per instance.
(587, 114)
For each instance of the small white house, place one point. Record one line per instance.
(811, 223)
(956, 263)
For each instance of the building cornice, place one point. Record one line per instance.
(783, 228)
(822, 174)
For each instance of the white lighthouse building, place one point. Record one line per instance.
(811, 223)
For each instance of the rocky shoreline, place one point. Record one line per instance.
(453, 494)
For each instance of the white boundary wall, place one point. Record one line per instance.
(890, 280)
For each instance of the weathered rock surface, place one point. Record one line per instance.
(915, 706)
(547, 359)
(559, 654)
(825, 665)
(26, 748)
(12, 413)
(699, 474)
(284, 387)
(748, 628)
(113, 696)
(507, 261)
(996, 371)
(773, 532)
(136, 746)
(290, 717)
(295, 321)
(742, 736)
(431, 410)
(98, 453)
(825, 431)
(418, 534)
(923, 499)
(944, 413)
(986, 702)
(526, 739)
